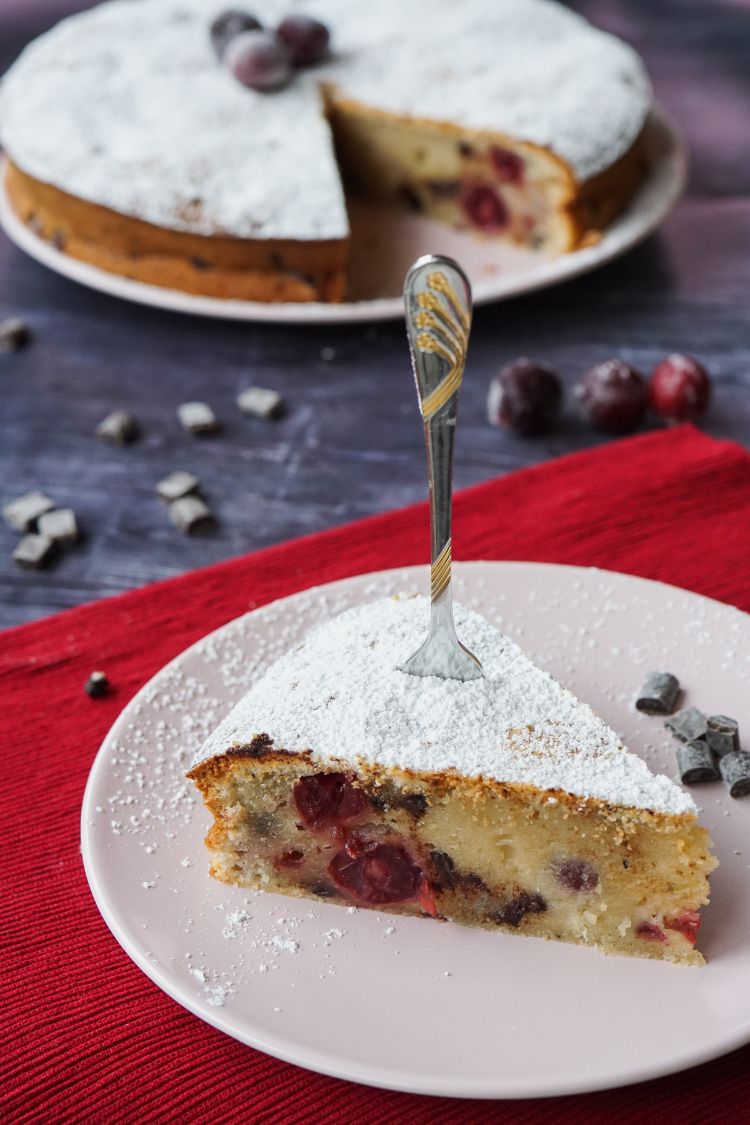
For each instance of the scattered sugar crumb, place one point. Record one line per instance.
(286, 945)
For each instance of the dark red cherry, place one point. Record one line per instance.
(328, 800)
(576, 874)
(685, 923)
(507, 166)
(257, 59)
(305, 38)
(650, 932)
(484, 208)
(385, 874)
(679, 389)
(228, 25)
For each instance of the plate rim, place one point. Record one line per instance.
(319, 1062)
(555, 271)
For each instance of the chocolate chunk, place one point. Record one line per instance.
(688, 725)
(444, 189)
(119, 427)
(444, 874)
(414, 803)
(696, 763)
(198, 418)
(33, 551)
(735, 772)
(60, 526)
(190, 513)
(658, 694)
(177, 485)
(513, 913)
(97, 685)
(261, 402)
(411, 198)
(23, 513)
(723, 735)
(13, 334)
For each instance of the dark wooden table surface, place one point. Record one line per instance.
(351, 443)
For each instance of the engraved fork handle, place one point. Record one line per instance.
(437, 299)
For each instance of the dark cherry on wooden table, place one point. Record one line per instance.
(351, 443)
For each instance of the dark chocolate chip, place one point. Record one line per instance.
(119, 427)
(13, 334)
(696, 763)
(33, 551)
(444, 874)
(513, 913)
(198, 418)
(177, 485)
(444, 189)
(58, 240)
(60, 526)
(410, 197)
(97, 685)
(658, 694)
(322, 889)
(199, 263)
(261, 402)
(723, 735)
(465, 149)
(414, 803)
(688, 725)
(190, 513)
(735, 772)
(264, 823)
(23, 513)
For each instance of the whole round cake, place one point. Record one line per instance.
(132, 145)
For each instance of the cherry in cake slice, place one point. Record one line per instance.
(504, 803)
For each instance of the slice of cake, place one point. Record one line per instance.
(503, 802)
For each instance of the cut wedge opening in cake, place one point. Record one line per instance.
(133, 147)
(504, 803)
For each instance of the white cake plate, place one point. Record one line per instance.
(410, 1004)
(385, 243)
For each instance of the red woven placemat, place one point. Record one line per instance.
(85, 1036)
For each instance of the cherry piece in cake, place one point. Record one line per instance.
(385, 874)
(484, 208)
(328, 800)
(507, 166)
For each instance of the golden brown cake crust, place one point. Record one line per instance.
(270, 270)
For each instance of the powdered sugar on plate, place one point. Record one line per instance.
(341, 694)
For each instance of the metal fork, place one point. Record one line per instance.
(437, 298)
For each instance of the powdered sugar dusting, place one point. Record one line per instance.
(127, 106)
(342, 695)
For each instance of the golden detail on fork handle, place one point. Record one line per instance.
(443, 330)
(441, 572)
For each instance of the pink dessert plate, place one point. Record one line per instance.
(385, 242)
(410, 1004)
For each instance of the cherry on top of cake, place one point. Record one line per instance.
(342, 696)
(127, 105)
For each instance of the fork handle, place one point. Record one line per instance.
(437, 298)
